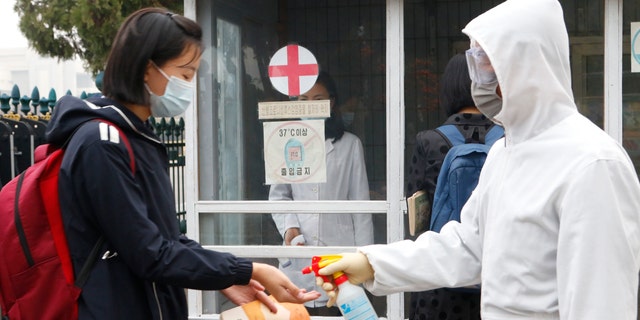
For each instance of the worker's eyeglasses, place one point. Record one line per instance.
(480, 69)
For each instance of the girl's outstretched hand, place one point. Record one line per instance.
(279, 285)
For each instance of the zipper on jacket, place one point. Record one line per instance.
(155, 294)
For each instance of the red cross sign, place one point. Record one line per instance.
(293, 70)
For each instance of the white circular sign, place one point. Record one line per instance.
(294, 152)
(293, 70)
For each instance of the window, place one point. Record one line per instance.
(347, 39)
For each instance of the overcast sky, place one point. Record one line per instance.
(11, 36)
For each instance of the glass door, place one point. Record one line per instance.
(232, 203)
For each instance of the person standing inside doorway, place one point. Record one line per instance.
(430, 149)
(346, 180)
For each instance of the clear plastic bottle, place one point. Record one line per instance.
(352, 300)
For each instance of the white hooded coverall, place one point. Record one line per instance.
(552, 229)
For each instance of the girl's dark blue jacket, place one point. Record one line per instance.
(99, 195)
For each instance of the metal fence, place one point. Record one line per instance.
(23, 121)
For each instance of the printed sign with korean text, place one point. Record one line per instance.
(294, 152)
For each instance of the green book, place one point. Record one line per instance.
(419, 210)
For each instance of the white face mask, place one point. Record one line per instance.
(484, 82)
(486, 98)
(176, 99)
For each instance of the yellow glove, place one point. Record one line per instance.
(355, 265)
(330, 288)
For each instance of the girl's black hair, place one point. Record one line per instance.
(149, 34)
(455, 86)
(333, 126)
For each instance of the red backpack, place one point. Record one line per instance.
(36, 273)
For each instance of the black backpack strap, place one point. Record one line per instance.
(83, 275)
(18, 222)
(88, 265)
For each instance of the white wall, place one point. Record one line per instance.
(43, 72)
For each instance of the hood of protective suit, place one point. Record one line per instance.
(528, 46)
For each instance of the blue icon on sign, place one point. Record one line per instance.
(294, 153)
(635, 48)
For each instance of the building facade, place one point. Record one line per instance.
(24, 68)
(386, 57)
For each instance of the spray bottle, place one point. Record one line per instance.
(351, 300)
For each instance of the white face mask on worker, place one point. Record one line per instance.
(484, 82)
(486, 98)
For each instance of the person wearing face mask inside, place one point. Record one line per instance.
(429, 153)
(346, 180)
(116, 185)
(552, 231)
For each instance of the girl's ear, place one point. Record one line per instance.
(147, 70)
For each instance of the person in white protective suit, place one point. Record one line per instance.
(552, 230)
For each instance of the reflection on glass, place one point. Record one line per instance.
(230, 163)
(228, 66)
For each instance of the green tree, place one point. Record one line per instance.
(85, 28)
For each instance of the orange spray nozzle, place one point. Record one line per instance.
(319, 262)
